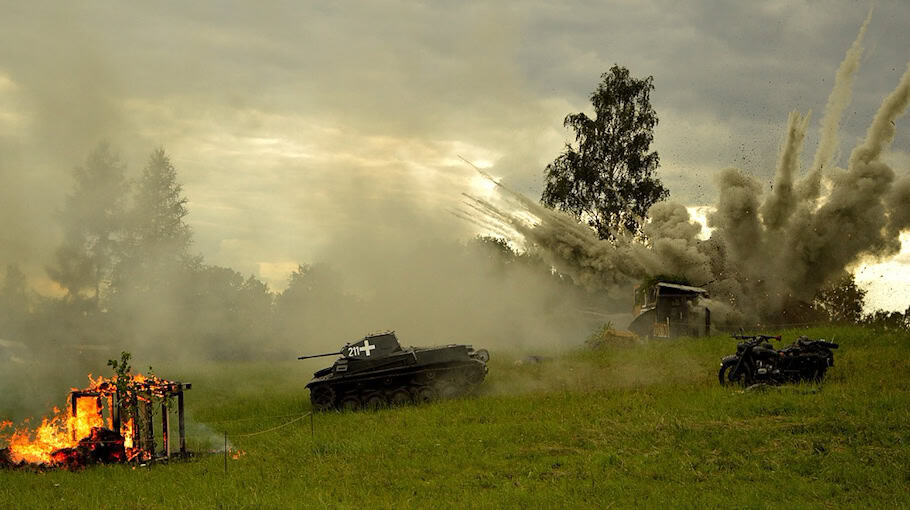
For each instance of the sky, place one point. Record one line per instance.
(295, 125)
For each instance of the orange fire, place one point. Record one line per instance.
(128, 435)
(64, 430)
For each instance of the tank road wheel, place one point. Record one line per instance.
(322, 398)
(399, 396)
(351, 402)
(374, 401)
(482, 355)
(448, 389)
(460, 378)
(426, 394)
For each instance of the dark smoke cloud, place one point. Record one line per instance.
(762, 255)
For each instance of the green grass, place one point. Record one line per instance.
(634, 426)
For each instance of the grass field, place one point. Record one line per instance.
(629, 426)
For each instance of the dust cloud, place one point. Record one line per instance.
(395, 263)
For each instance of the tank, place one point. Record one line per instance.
(376, 372)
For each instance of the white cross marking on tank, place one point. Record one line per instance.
(367, 347)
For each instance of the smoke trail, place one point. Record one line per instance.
(881, 132)
(853, 219)
(834, 111)
(898, 205)
(780, 205)
(571, 247)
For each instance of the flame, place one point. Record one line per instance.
(36, 447)
(126, 430)
(65, 429)
(88, 415)
(61, 430)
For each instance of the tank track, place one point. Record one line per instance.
(376, 392)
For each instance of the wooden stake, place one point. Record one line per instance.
(115, 412)
(180, 421)
(165, 437)
(73, 403)
(150, 427)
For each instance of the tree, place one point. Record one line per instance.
(156, 220)
(157, 239)
(155, 278)
(92, 223)
(608, 179)
(223, 315)
(13, 292)
(841, 301)
(501, 255)
(495, 249)
(14, 303)
(889, 321)
(315, 305)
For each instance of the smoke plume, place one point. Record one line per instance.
(762, 254)
(834, 111)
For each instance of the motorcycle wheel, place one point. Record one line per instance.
(725, 374)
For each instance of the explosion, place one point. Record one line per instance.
(763, 255)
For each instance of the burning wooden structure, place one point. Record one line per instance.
(112, 420)
(137, 406)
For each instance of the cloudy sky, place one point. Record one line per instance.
(295, 124)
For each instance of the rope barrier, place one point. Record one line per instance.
(271, 429)
(253, 418)
(251, 434)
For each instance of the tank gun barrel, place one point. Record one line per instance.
(320, 355)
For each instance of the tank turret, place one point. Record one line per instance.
(376, 371)
(374, 346)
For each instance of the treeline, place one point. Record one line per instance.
(126, 274)
(842, 302)
(128, 278)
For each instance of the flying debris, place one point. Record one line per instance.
(767, 254)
